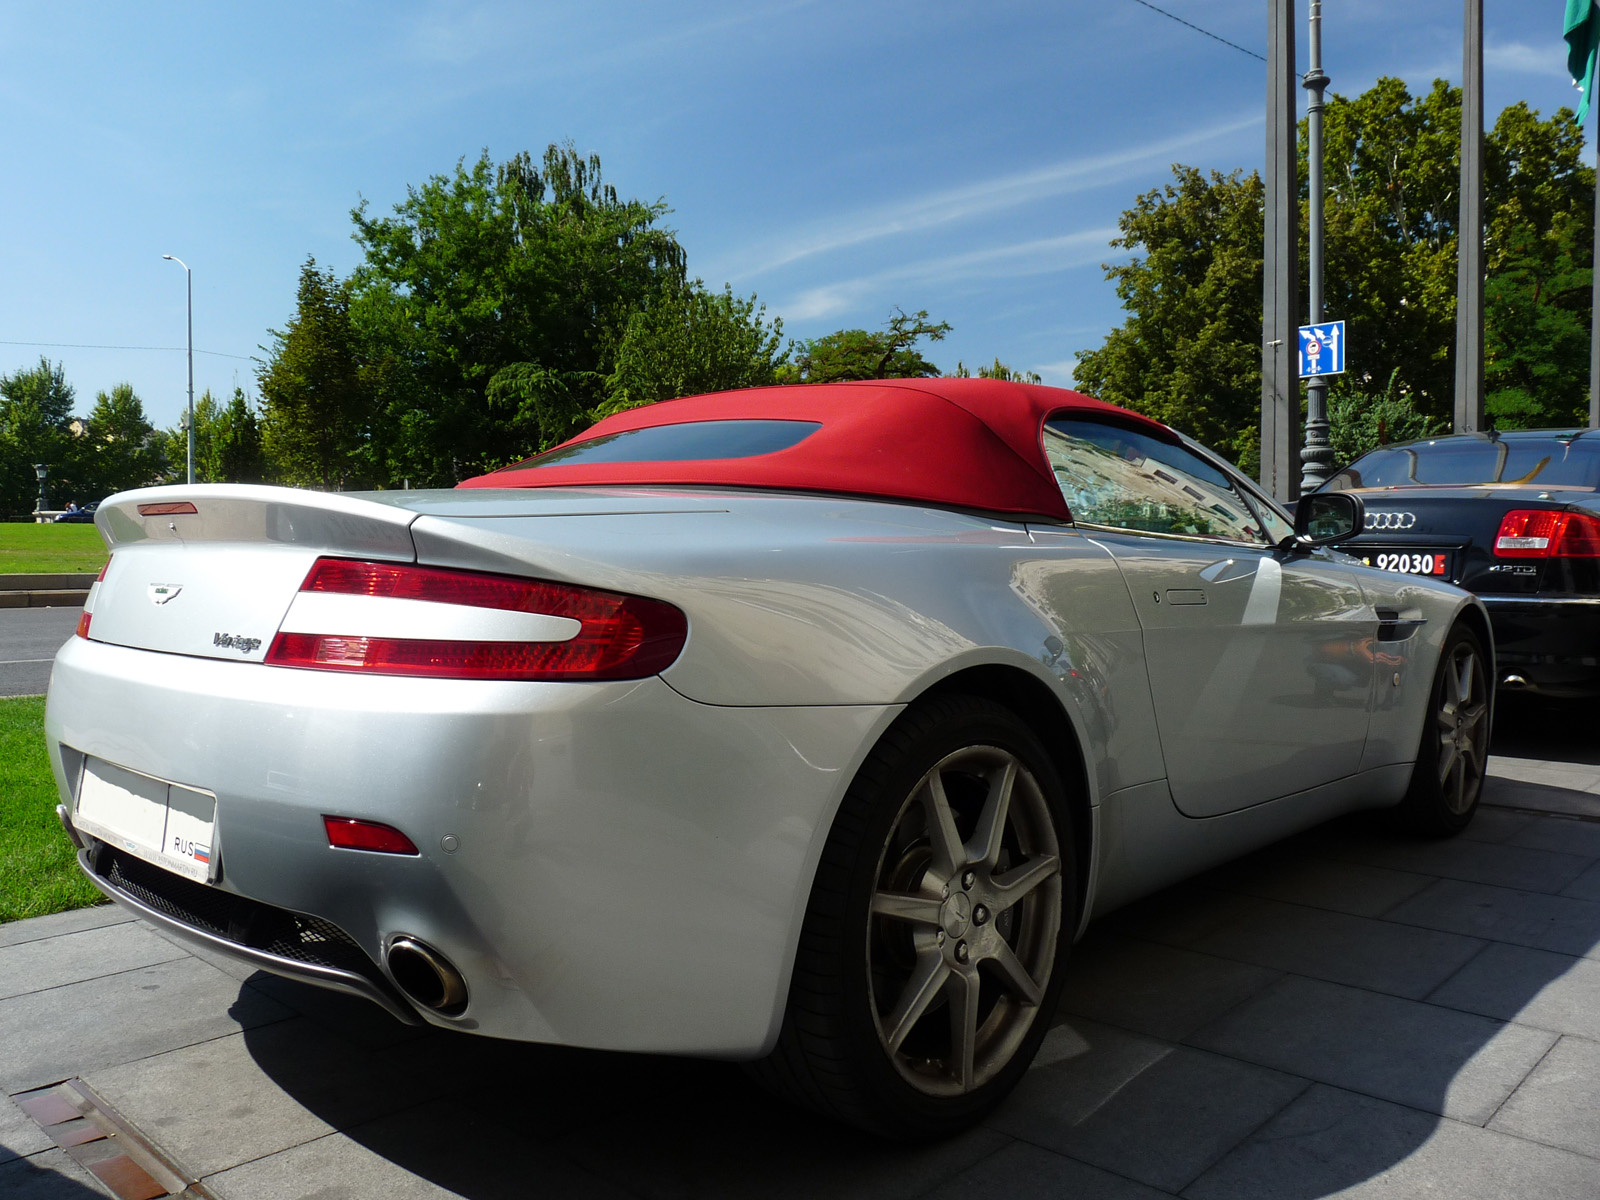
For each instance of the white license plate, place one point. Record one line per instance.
(167, 824)
(1422, 562)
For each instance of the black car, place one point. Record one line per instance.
(1514, 517)
(79, 516)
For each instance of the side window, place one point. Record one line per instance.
(1125, 479)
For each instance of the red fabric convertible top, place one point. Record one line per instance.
(962, 443)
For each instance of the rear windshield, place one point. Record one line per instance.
(692, 442)
(1542, 462)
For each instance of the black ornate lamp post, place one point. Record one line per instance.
(43, 472)
(1317, 456)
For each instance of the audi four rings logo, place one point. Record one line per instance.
(1390, 520)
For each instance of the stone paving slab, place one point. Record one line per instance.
(50, 1175)
(20, 1136)
(213, 1106)
(1396, 959)
(1361, 891)
(36, 929)
(1332, 1141)
(1161, 1126)
(1452, 1063)
(1559, 1104)
(1532, 987)
(1563, 924)
(65, 1031)
(35, 966)
(1158, 990)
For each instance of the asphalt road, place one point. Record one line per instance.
(29, 639)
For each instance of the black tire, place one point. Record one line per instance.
(1453, 755)
(908, 926)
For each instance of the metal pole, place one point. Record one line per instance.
(188, 276)
(1317, 457)
(1280, 398)
(1594, 308)
(1469, 231)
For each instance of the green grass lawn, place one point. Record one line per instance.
(37, 872)
(49, 549)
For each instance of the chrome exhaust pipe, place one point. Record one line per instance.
(426, 976)
(1514, 683)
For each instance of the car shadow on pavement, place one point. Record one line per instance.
(1351, 1002)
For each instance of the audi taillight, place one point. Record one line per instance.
(1547, 533)
(88, 604)
(402, 619)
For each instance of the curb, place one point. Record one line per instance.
(45, 591)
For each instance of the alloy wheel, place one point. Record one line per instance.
(1462, 720)
(965, 918)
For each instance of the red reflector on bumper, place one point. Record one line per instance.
(347, 833)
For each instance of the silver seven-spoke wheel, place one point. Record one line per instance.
(1462, 714)
(934, 942)
(966, 918)
(1453, 756)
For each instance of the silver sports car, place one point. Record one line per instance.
(807, 726)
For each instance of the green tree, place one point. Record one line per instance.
(35, 411)
(1189, 349)
(998, 370)
(236, 454)
(854, 354)
(174, 442)
(1360, 420)
(121, 449)
(691, 341)
(531, 268)
(318, 401)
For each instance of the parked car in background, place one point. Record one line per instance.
(807, 725)
(1514, 517)
(78, 516)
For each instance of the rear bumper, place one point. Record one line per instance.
(608, 865)
(293, 945)
(1551, 644)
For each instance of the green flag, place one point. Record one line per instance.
(1582, 31)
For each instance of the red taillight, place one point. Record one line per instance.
(618, 636)
(88, 605)
(348, 833)
(1547, 533)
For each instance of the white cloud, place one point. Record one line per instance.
(1039, 256)
(1059, 374)
(983, 198)
(1524, 59)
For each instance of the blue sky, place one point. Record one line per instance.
(836, 158)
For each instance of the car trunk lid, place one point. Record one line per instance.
(1463, 524)
(213, 571)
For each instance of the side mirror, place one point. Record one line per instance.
(1327, 518)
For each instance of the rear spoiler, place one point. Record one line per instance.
(362, 526)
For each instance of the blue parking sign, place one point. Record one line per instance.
(1322, 349)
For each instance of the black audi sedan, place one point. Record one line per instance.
(1514, 517)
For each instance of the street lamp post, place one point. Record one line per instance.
(188, 276)
(43, 472)
(1317, 457)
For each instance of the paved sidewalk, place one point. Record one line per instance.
(1351, 1012)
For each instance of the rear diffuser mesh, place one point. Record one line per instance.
(250, 923)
